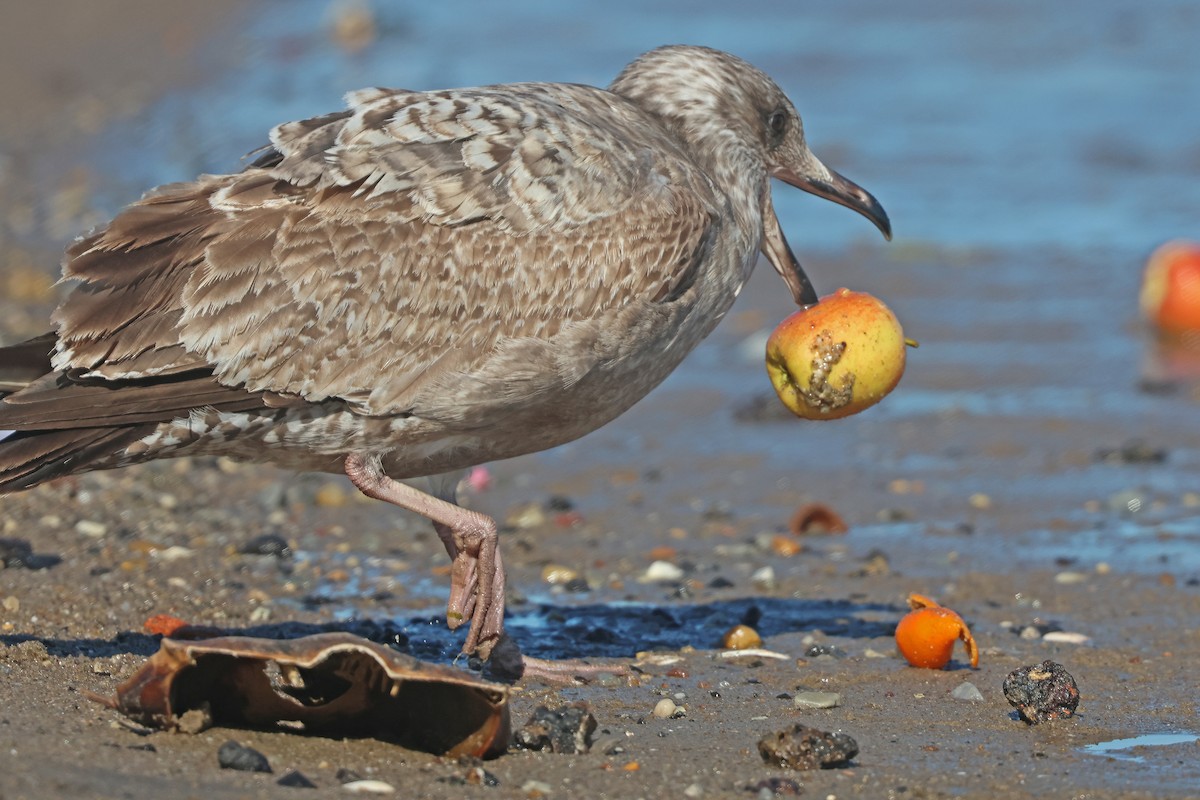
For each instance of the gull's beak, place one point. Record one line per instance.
(777, 251)
(815, 178)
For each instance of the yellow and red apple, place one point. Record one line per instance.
(1170, 296)
(837, 357)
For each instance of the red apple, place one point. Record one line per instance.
(1170, 297)
(837, 357)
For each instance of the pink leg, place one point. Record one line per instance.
(476, 571)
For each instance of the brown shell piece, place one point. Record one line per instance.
(334, 684)
(816, 518)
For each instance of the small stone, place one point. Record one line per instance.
(967, 691)
(90, 527)
(12, 604)
(694, 791)
(764, 578)
(662, 572)
(295, 780)
(235, 755)
(368, 787)
(558, 575)
(980, 501)
(1066, 637)
(269, 544)
(741, 637)
(567, 729)
(1069, 578)
(1042, 692)
(817, 700)
(802, 747)
(535, 789)
(528, 516)
(665, 708)
(330, 495)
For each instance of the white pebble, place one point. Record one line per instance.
(1066, 637)
(1068, 578)
(817, 700)
(662, 572)
(967, 691)
(369, 787)
(89, 527)
(664, 708)
(764, 578)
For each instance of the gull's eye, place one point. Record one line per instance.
(777, 122)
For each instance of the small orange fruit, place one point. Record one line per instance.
(926, 635)
(837, 357)
(1170, 296)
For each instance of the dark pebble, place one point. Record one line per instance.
(558, 503)
(347, 775)
(824, 650)
(1132, 452)
(562, 730)
(1042, 692)
(234, 755)
(296, 780)
(802, 747)
(577, 586)
(777, 787)
(269, 544)
(720, 583)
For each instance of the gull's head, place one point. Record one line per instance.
(725, 108)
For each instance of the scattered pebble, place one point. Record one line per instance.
(741, 637)
(967, 691)
(662, 572)
(368, 787)
(527, 516)
(980, 501)
(1069, 578)
(1132, 452)
(776, 787)
(269, 544)
(535, 789)
(12, 604)
(1128, 501)
(559, 575)
(330, 495)
(764, 578)
(1042, 692)
(802, 747)
(295, 780)
(694, 791)
(90, 527)
(817, 700)
(1066, 637)
(235, 755)
(665, 708)
(567, 729)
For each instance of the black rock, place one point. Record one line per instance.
(347, 775)
(802, 747)
(234, 755)
(296, 780)
(563, 730)
(1042, 692)
(269, 544)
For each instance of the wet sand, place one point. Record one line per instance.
(1015, 512)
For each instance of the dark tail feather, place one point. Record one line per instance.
(20, 364)
(28, 458)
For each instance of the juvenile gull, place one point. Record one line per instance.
(418, 284)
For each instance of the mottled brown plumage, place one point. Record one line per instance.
(418, 284)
